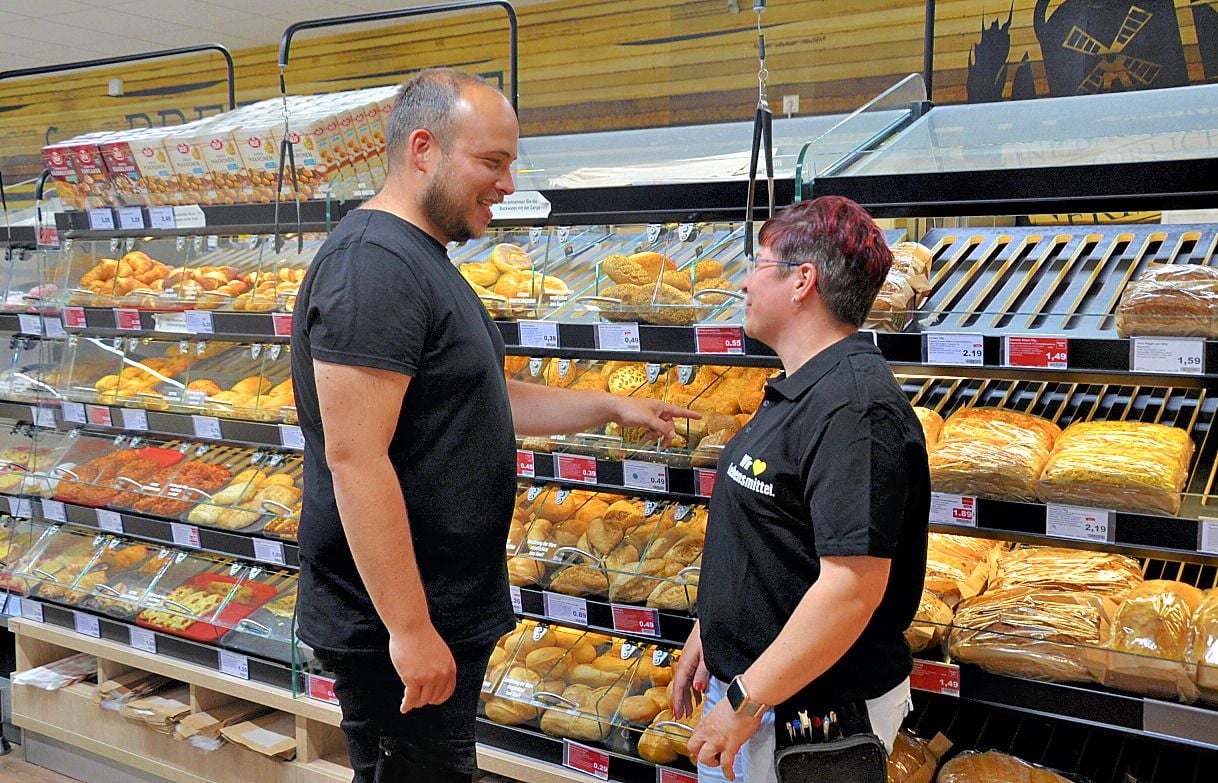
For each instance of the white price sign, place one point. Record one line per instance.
(86, 625)
(207, 427)
(101, 219)
(135, 419)
(538, 334)
(141, 639)
(185, 535)
(950, 348)
(73, 412)
(948, 509)
(199, 322)
(29, 324)
(31, 610)
(266, 551)
(110, 521)
(234, 665)
(1078, 523)
(130, 219)
(54, 511)
(21, 507)
(1175, 355)
(43, 417)
(618, 337)
(12, 606)
(53, 327)
(637, 474)
(291, 436)
(161, 218)
(565, 608)
(1207, 535)
(517, 605)
(189, 216)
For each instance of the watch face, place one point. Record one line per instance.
(735, 695)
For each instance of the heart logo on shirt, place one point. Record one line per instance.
(759, 467)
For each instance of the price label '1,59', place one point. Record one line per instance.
(1175, 355)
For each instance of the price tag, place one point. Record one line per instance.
(637, 474)
(935, 677)
(31, 610)
(43, 417)
(582, 758)
(86, 624)
(1078, 523)
(574, 468)
(110, 521)
(636, 620)
(1207, 535)
(207, 427)
(283, 324)
(291, 436)
(185, 535)
(74, 318)
(127, 319)
(234, 665)
(1182, 355)
(141, 639)
(101, 219)
(719, 339)
(267, 551)
(131, 218)
(53, 327)
(99, 415)
(29, 324)
(54, 511)
(565, 608)
(135, 419)
(73, 412)
(526, 464)
(1042, 353)
(21, 507)
(189, 216)
(618, 337)
(706, 483)
(948, 509)
(12, 606)
(320, 688)
(199, 322)
(161, 218)
(666, 775)
(517, 604)
(538, 334)
(946, 348)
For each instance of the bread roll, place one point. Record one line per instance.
(581, 581)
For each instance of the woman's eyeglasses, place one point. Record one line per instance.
(753, 263)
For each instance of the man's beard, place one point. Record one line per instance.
(442, 206)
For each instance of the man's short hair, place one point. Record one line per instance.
(851, 255)
(427, 100)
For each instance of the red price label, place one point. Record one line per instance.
(584, 759)
(99, 415)
(934, 677)
(632, 619)
(572, 468)
(74, 318)
(1046, 353)
(321, 688)
(126, 318)
(283, 324)
(706, 483)
(719, 339)
(526, 465)
(666, 775)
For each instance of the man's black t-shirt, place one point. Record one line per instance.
(833, 464)
(381, 293)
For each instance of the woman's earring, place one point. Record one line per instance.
(795, 301)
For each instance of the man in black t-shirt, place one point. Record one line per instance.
(816, 546)
(409, 447)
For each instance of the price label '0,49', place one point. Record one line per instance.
(1173, 355)
(644, 475)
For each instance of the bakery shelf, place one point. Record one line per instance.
(549, 751)
(201, 426)
(248, 327)
(672, 628)
(215, 219)
(602, 475)
(18, 236)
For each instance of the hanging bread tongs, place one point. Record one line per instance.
(763, 133)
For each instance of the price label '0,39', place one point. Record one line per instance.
(538, 334)
(1172, 355)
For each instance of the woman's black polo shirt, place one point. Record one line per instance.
(832, 464)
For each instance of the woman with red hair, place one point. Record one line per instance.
(816, 547)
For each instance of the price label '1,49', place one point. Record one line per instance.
(1175, 355)
(1044, 353)
(959, 349)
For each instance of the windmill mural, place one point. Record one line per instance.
(1115, 70)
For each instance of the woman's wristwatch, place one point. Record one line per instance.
(740, 702)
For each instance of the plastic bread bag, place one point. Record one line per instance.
(930, 623)
(932, 424)
(912, 258)
(993, 767)
(1203, 647)
(915, 760)
(1023, 632)
(59, 674)
(1000, 426)
(1134, 466)
(1178, 300)
(1002, 471)
(958, 566)
(1058, 568)
(1149, 640)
